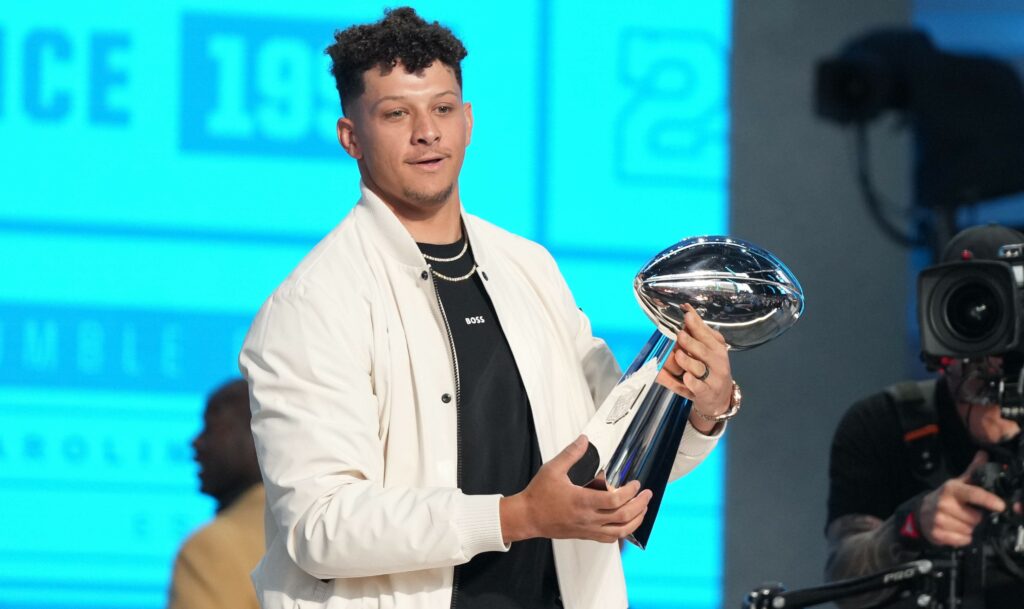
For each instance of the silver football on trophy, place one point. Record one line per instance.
(737, 288)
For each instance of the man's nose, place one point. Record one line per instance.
(425, 130)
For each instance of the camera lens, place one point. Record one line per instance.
(969, 309)
(973, 311)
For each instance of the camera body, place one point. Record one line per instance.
(1004, 477)
(973, 308)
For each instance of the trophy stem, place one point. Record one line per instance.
(662, 457)
(657, 347)
(649, 447)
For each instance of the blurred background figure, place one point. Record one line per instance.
(212, 568)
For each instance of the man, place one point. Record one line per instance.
(212, 568)
(902, 461)
(413, 375)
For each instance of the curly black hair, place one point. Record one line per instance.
(401, 36)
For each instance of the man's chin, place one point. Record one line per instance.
(205, 486)
(430, 198)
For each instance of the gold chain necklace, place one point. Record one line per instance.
(453, 279)
(465, 246)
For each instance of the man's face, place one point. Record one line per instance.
(409, 133)
(225, 452)
(976, 397)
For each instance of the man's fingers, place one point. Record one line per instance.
(697, 327)
(960, 524)
(672, 376)
(694, 366)
(670, 381)
(977, 496)
(671, 365)
(688, 345)
(682, 360)
(628, 510)
(610, 500)
(620, 531)
(949, 538)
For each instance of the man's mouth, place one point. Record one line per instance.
(428, 162)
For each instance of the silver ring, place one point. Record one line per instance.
(707, 371)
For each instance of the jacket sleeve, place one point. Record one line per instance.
(860, 544)
(315, 422)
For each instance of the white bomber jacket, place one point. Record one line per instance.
(347, 364)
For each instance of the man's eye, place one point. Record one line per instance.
(444, 109)
(394, 113)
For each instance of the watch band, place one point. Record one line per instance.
(734, 407)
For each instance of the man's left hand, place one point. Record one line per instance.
(698, 369)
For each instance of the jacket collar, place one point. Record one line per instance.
(393, 239)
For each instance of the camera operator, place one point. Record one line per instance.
(904, 461)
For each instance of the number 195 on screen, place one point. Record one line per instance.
(257, 86)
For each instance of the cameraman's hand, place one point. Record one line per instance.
(949, 514)
(552, 506)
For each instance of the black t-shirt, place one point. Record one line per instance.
(498, 451)
(871, 471)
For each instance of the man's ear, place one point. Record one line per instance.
(467, 108)
(347, 138)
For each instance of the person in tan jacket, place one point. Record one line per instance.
(212, 568)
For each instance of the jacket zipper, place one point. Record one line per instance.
(458, 418)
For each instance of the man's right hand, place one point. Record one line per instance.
(552, 506)
(949, 514)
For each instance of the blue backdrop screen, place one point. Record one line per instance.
(166, 164)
